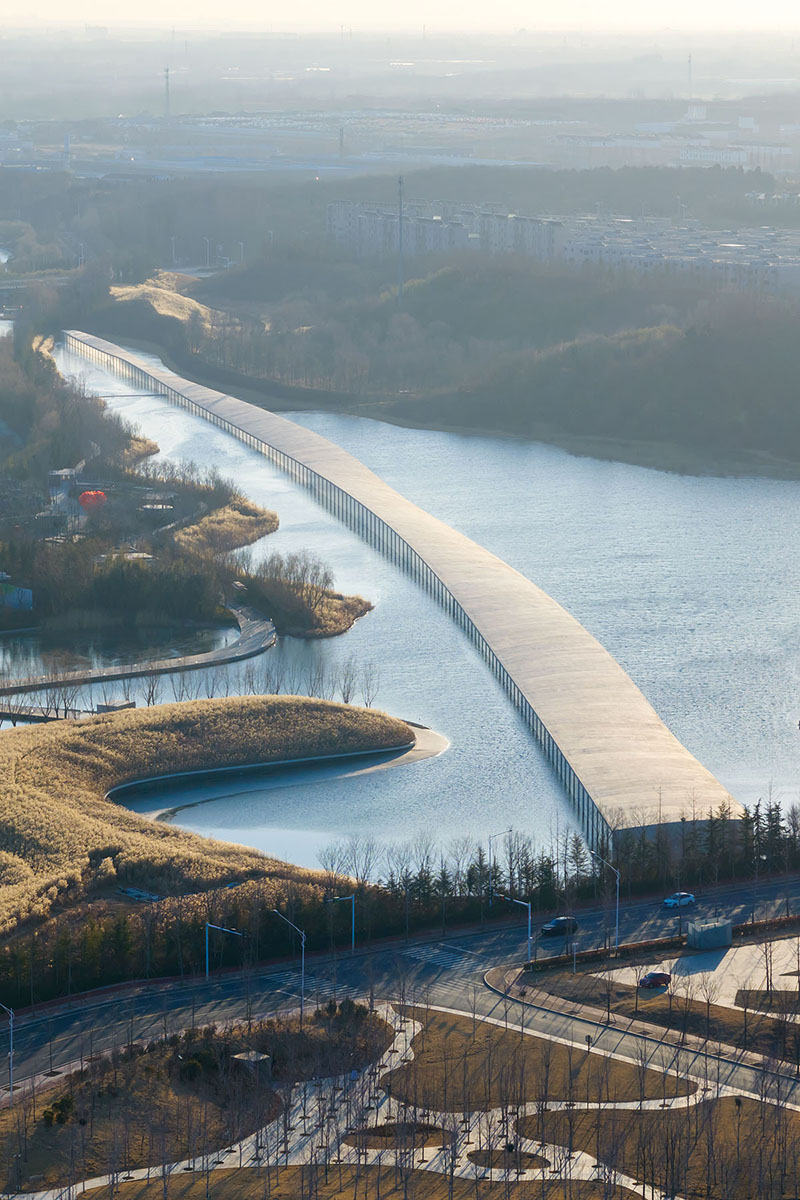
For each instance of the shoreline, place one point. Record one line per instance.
(667, 457)
(427, 743)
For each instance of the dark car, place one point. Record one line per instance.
(559, 926)
(655, 979)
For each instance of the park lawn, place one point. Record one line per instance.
(137, 1113)
(181, 1098)
(345, 1183)
(398, 1136)
(464, 1066)
(717, 1149)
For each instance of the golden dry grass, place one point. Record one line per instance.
(138, 448)
(59, 837)
(158, 295)
(235, 524)
(459, 1067)
(370, 1183)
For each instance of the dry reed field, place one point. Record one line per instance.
(158, 294)
(235, 524)
(60, 839)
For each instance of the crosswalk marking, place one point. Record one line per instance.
(440, 956)
(291, 981)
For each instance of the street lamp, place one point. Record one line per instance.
(616, 872)
(302, 961)
(524, 904)
(10, 1012)
(492, 837)
(222, 929)
(335, 900)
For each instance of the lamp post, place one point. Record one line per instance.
(492, 837)
(616, 872)
(222, 929)
(523, 904)
(302, 961)
(335, 900)
(10, 1012)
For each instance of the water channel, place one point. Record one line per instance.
(689, 582)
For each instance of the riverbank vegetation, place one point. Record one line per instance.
(237, 523)
(662, 368)
(297, 592)
(158, 549)
(598, 359)
(62, 842)
(183, 1096)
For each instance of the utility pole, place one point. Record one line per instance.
(616, 872)
(10, 1012)
(297, 929)
(222, 929)
(492, 837)
(166, 94)
(523, 904)
(352, 899)
(400, 263)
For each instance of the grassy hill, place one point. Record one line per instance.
(61, 841)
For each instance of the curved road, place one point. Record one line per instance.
(448, 973)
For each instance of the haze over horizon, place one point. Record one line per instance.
(448, 16)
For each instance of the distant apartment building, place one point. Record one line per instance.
(760, 259)
(369, 231)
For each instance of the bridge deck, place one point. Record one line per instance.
(630, 764)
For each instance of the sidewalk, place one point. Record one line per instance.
(504, 981)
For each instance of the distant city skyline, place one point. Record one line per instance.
(726, 16)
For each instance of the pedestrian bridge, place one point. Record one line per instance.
(618, 762)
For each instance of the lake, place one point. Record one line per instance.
(690, 582)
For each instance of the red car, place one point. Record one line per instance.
(655, 979)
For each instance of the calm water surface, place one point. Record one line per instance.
(690, 582)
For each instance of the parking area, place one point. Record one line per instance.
(726, 972)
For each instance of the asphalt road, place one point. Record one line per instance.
(447, 971)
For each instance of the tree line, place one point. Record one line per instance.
(400, 889)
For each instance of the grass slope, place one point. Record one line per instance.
(59, 837)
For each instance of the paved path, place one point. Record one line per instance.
(256, 635)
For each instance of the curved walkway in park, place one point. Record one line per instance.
(256, 635)
(333, 1120)
(617, 760)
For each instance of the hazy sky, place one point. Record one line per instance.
(729, 15)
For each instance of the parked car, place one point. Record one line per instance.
(559, 926)
(679, 900)
(655, 979)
